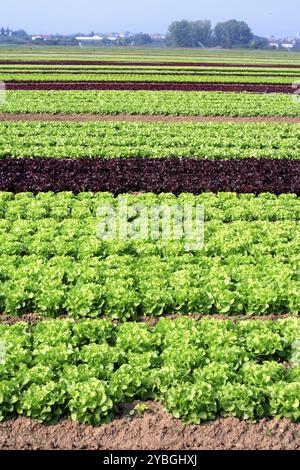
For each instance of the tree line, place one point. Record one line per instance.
(8, 36)
(184, 33)
(225, 34)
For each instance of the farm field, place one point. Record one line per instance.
(179, 332)
(59, 53)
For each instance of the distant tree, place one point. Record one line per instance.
(180, 34)
(21, 34)
(190, 33)
(233, 33)
(259, 43)
(127, 41)
(141, 39)
(201, 32)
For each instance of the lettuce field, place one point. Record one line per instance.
(124, 335)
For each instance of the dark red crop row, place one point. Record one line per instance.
(137, 174)
(154, 86)
(145, 64)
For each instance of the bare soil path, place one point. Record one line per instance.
(34, 318)
(154, 429)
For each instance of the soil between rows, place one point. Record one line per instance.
(154, 429)
(34, 318)
(144, 118)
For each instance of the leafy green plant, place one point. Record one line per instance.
(284, 400)
(8, 397)
(44, 402)
(139, 408)
(89, 401)
(192, 402)
(241, 400)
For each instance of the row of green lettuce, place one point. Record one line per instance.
(135, 77)
(132, 139)
(157, 70)
(151, 102)
(57, 257)
(198, 370)
(57, 268)
(222, 207)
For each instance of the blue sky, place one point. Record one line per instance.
(70, 16)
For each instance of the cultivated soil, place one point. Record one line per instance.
(143, 118)
(34, 318)
(154, 429)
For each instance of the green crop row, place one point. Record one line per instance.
(54, 260)
(80, 276)
(151, 102)
(222, 207)
(31, 76)
(123, 139)
(198, 370)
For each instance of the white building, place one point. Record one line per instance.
(89, 38)
(288, 44)
(96, 39)
(44, 37)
